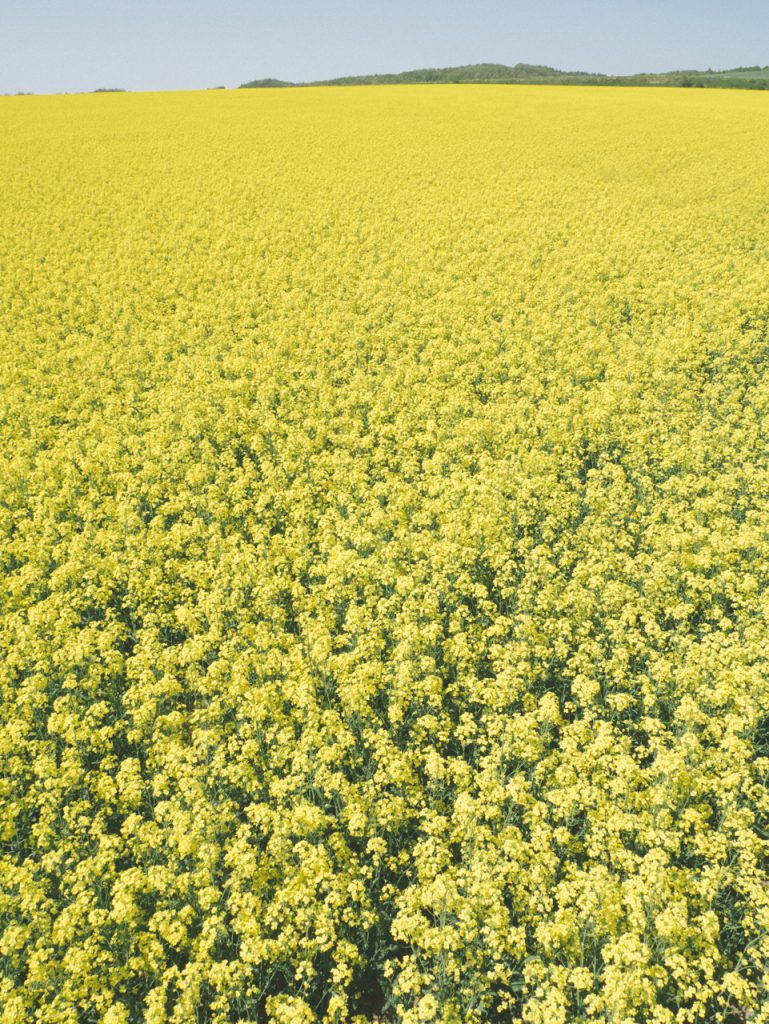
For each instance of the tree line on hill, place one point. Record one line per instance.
(754, 77)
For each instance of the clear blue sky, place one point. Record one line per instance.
(78, 45)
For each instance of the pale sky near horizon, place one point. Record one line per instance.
(80, 45)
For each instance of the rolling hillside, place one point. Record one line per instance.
(539, 74)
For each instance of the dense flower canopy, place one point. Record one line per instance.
(384, 549)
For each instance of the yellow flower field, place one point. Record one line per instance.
(384, 556)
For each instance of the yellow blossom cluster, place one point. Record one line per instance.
(384, 557)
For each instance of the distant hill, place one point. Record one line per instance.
(268, 83)
(466, 73)
(540, 74)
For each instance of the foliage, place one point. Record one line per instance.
(464, 73)
(384, 548)
(538, 74)
(267, 83)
